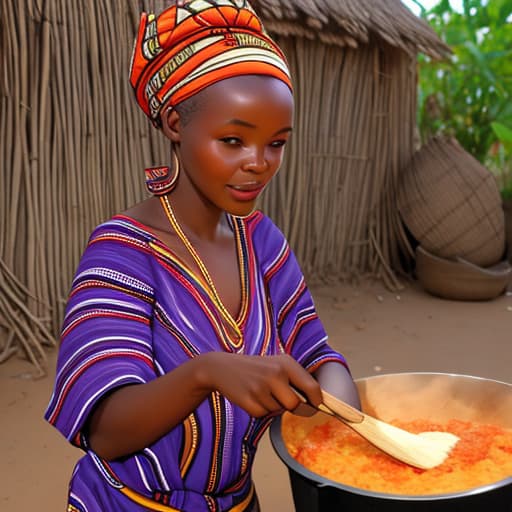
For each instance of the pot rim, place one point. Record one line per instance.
(281, 450)
(433, 374)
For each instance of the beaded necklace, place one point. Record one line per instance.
(212, 291)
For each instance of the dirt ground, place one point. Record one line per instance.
(378, 331)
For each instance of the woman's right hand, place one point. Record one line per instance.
(259, 384)
(132, 417)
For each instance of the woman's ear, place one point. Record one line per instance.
(171, 124)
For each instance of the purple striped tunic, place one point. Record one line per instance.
(136, 312)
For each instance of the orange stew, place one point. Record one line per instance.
(482, 456)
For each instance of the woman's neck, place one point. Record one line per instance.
(199, 218)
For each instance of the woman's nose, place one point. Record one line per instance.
(256, 161)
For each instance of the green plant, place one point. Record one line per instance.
(502, 156)
(469, 95)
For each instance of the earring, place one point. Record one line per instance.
(162, 180)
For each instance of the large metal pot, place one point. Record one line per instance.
(436, 396)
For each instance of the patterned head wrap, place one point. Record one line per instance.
(195, 44)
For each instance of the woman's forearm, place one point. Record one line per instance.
(336, 379)
(135, 416)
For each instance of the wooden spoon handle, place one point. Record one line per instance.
(340, 408)
(335, 407)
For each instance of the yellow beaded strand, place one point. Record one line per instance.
(202, 267)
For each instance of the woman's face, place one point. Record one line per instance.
(232, 144)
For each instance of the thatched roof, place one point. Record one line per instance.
(351, 22)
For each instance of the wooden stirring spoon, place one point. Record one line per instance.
(425, 450)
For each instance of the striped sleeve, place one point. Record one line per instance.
(301, 332)
(106, 338)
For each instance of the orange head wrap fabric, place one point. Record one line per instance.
(196, 43)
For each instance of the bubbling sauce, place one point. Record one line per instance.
(481, 457)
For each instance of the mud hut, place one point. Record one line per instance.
(74, 143)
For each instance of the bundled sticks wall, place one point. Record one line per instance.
(335, 197)
(74, 145)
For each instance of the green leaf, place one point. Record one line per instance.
(463, 95)
(504, 133)
(482, 61)
(442, 7)
(505, 10)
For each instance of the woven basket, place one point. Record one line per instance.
(461, 280)
(452, 205)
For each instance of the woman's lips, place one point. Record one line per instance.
(246, 192)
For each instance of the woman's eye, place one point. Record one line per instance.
(232, 141)
(278, 143)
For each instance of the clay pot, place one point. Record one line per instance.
(459, 279)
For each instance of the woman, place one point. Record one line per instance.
(189, 325)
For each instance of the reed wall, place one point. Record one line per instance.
(74, 145)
